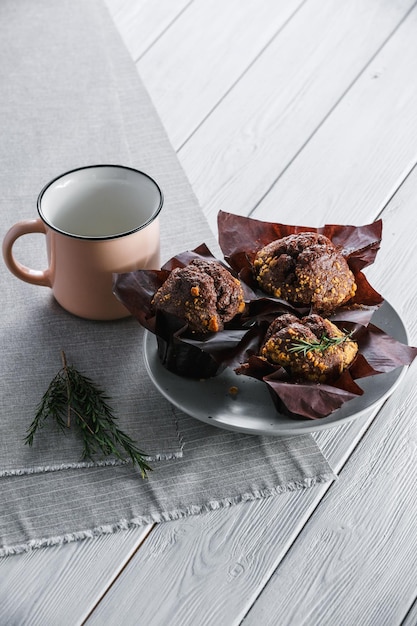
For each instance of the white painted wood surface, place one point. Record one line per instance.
(304, 112)
(256, 132)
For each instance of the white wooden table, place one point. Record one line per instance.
(299, 111)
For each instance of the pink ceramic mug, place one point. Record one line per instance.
(98, 220)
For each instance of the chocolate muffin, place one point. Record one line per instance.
(305, 269)
(311, 348)
(203, 293)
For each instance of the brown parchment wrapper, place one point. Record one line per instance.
(193, 356)
(241, 237)
(181, 351)
(377, 353)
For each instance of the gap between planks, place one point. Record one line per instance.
(239, 77)
(119, 572)
(397, 187)
(411, 617)
(163, 31)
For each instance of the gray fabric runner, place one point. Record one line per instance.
(74, 99)
(109, 353)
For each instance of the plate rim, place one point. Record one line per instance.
(298, 426)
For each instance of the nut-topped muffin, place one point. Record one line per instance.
(305, 269)
(311, 348)
(203, 293)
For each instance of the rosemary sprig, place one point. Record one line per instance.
(302, 346)
(71, 396)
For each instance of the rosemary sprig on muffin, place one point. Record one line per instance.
(311, 348)
(303, 346)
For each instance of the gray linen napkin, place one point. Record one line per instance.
(218, 469)
(75, 100)
(110, 353)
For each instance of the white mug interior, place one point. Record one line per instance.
(100, 202)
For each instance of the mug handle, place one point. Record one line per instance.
(35, 277)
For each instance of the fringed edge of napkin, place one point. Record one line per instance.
(43, 469)
(167, 516)
(110, 462)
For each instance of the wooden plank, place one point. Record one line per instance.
(61, 585)
(356, 560)
(142, 22)
(66, 583)
(357, 557)
(358, 170)
(208, 569)
(254, 134)
(204, 53)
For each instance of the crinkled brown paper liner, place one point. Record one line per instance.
(240, 238)
(181, 351)
(378, 353)
(188, 355)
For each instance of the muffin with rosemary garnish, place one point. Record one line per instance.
(305, 269)
(311, 348)
(203, 293)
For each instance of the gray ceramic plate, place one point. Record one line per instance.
(252, 409)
